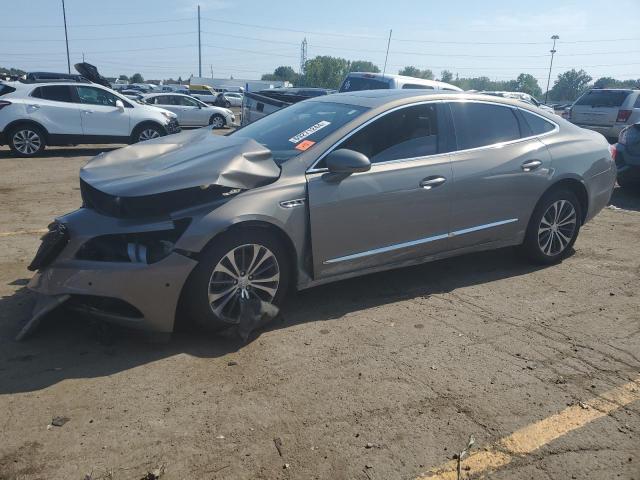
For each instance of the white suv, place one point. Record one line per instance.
(34, 115)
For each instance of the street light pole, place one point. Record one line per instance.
(553, 51)
(66, 37)
(199, 47)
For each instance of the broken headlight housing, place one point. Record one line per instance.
(140, 247)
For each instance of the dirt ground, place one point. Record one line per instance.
(381, 377)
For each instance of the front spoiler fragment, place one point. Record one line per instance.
(44, 305)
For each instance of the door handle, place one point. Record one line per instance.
(531, 165)
(34, 106)
(432, 182)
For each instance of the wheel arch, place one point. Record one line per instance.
(287, 242)
(27, 121)
(579, 190)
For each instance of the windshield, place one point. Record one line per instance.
(294, 129)
(355, 84)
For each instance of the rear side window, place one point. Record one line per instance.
(482, 124)
(537, 124)
(4, 89)
(406, 133)
(635, 105)
(603, 98)
(56, 93)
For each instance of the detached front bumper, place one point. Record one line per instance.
(172, 126)
(131, 293)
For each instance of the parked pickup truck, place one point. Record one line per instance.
(256, 105)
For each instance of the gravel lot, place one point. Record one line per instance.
(381, 377)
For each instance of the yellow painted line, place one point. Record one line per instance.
(532, 437)
(23, 232)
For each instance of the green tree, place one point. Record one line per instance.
(609, 82)
(136, 78)
(325, 71)
(415, 72)
(363, 66)
(123, 77)
(282, 73)
(446, 76)
(527, 83)
(569, 85)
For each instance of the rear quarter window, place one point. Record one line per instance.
(537, 124)
(415, 86)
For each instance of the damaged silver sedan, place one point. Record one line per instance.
(195, 224)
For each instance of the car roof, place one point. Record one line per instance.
(377, 98)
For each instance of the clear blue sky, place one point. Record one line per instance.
(496, 38)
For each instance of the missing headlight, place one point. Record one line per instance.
(143, 247)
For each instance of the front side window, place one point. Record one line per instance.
(96, 96)
(405, 133)
(537, 124)
(56, 93)
(483, 124)
(295, 129)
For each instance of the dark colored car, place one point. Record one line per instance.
(628, 157)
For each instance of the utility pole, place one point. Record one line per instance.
(211, 68)
(387, 55)
(303, 58)
(553, 51)
(199, 46)
(66, 37)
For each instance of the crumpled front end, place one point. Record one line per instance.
(123, 271)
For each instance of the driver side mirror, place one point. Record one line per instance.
(120, 105)
(345, 161)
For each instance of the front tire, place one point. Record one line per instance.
(146, 132)
(553, 227)
(217, 121)
(249, 263)
(27, 141)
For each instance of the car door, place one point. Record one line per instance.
(53, 108)
(190, 111)
(500, 171)
(169, 102)
(99, 114)
(399, 210)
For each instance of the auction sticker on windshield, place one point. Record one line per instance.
(305, 145)
(309, 131)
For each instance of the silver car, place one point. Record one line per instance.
(606, 110)
(329, 188)
(192, 112)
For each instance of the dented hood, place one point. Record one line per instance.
(184, 160)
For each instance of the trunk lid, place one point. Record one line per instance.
(598, 107)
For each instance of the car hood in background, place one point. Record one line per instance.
(185, 160)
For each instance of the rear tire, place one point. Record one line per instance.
(27, 140)
(241, 262)
(553, 227)
(217, 121)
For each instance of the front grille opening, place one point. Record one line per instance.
(105, 305)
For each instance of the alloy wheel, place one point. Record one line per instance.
(148, 134)
(247, 271)
(217, 122)
(557, 227)
(27, 142)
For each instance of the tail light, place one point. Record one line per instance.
(613, 152)
(4, 103)
(623, 116)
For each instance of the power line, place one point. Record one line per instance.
(81, 25)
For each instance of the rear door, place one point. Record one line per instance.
(99, 113)
(399, 210)
(598, 107)
(500, 170)
(190, 111)
(53, 107)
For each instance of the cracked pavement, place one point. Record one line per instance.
(408, 363)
